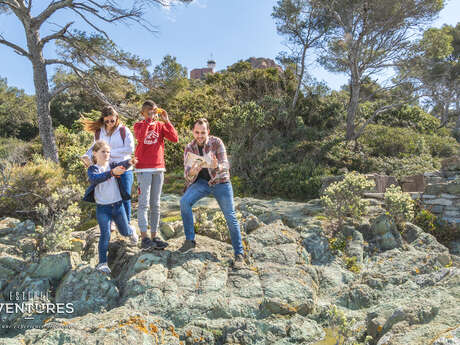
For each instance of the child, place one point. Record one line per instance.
(106, 192)
(150, 168)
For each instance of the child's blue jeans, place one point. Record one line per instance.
(105, 214)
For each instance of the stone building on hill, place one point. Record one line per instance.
(200, 73)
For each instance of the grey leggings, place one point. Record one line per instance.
(150, 185)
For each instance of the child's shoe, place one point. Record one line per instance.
(133, 239)
(103, 268)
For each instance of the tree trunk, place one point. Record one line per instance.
(457, 123)
(353, 106)
(299, 82)
(42, 96)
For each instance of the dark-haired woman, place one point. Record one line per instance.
(121, 141)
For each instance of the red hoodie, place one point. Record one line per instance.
(150, 143)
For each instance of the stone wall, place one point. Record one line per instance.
(442, 192)
(438, 191)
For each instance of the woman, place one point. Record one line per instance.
(120, 139)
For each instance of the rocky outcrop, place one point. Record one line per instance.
(400, 289)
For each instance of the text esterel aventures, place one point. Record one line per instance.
(33, 301)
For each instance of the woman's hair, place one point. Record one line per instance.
(92, 126)
(96, 147)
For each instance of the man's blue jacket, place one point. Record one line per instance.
(95, 177)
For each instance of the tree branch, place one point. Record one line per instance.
(377, 112)
(58, 90)
(17, 49)
(91, 24)
(56, 35)
(48, 12)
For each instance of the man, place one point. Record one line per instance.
(201, 182)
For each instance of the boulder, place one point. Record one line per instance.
(89, 291)
(385, 233)
(54, 266)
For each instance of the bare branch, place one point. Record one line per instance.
(58, 34)
(377, 112)
(50, 10)
(11, 4)
(17, 49)
(58, 90)
(91, 24)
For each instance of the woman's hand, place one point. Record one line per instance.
(119, 170)
(86, 161)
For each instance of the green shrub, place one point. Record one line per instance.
(344, 198)
(399, 204)
(426, 220)
(342, 325)
(16, 151)
(441, 146)
(405, 166)
(383, 141)
(71, 146)
(351, 264)
(174, 182)
(439, 228)
(406, 116)
(59, 216)
(27, 186)
(39, 190)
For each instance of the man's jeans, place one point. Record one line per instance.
(223, 193)
(105, 214)
(126, 181)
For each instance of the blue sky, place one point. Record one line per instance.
(229, 30)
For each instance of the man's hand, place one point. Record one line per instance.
(215, 162)
(195, 169)
(119, 170)
(86, 161)
(133, 160)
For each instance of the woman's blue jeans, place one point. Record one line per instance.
(105, 214)
(126, 181)
(223, 192)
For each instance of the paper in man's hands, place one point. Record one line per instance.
(202, 161)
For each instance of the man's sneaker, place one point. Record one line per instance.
(187, 246)
(238, 263)
(157, 243)
(133, 239)
(146, 243)
(103, 268)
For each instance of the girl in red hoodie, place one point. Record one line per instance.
(150, 168)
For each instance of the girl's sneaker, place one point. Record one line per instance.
(103, 268)
(133, 239)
